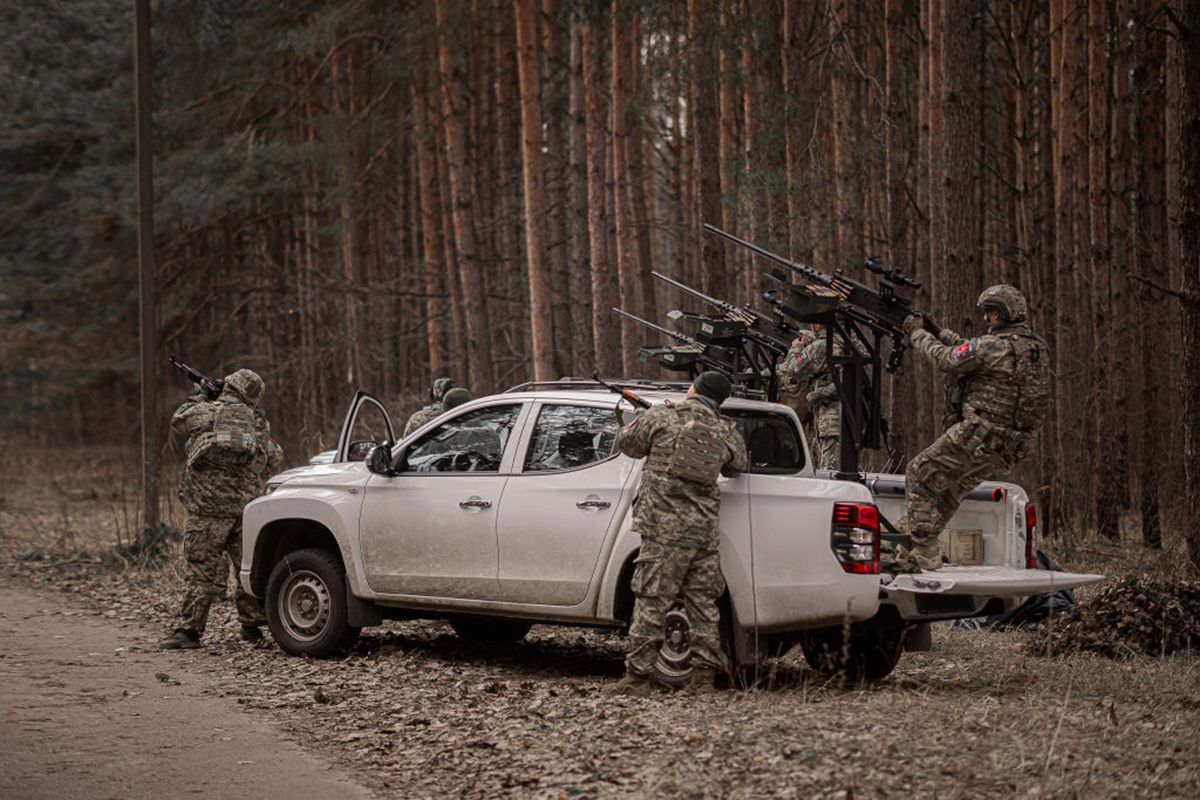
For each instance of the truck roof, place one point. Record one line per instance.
(651, 391)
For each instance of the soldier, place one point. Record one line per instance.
(1005, 393)
(806, 361)
(229, 449)
(437, 394)
(455, 398)
(686, 447)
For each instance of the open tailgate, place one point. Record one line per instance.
(988, 581)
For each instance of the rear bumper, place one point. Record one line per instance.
(954, 592)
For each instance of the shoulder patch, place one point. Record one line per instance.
(800, 358)
(964, 351)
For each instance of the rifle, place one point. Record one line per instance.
(625, 393)
(211, 387)
(773, 333)
(882, 310)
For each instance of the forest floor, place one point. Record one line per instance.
(417, 712)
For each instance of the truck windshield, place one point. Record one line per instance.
(771, 440)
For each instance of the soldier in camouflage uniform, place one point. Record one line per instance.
(1006, 395)
(437, 394)
(229, 450)
(686, 447)
(805, 362)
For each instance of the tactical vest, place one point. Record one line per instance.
(696, 453)
(1016, 392)
(232, 441)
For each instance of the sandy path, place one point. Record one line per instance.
(85, 713)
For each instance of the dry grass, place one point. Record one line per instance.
(416, 711)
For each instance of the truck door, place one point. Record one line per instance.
(367, 424)
(561, 505)
(430, 530)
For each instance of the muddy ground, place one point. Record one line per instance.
(413, 711)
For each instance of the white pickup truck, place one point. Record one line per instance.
(515, 509)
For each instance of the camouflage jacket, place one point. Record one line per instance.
(223, 489)
(808, 362)
(670, 510)
(1007, 372)
(423, 415)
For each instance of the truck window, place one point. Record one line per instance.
(472, 442)
(772, 442)
(569, 437)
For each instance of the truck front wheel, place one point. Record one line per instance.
(866, 655)
(306, 604)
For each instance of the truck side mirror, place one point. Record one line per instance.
(379, 462)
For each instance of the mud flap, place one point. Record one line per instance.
(361, 613)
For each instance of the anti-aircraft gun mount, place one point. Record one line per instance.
(861, 319)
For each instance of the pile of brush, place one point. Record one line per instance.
(1131, 617)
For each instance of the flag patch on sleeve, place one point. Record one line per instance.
(964, 351)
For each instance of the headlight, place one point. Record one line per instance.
(272, 486)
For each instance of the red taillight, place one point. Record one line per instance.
(854, 537)
(1030, 530)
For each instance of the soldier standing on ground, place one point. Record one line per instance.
(686, 447)
(437, 394)
(1006, 395)
(229, 449)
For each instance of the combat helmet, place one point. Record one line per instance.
(1006, 299)
(440, 386)
(246, 385)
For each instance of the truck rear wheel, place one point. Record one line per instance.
(869, 654)
(306, 604)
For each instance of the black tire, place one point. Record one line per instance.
(490, 629)
(871, 655)
(306, 604)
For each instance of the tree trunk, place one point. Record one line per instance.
(431, 245)
(604, 330)
(960, 275)
(529, 71)
(581, 287)
(1188, 44)
(631, 335)
(704, 77)
(478, 325)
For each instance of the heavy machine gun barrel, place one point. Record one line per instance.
(682, 338)
(769, 331)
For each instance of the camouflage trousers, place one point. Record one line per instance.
(943, 474)
(827, 420)
(206, 542)
(665, 574)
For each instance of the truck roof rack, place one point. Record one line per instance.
(579, 383)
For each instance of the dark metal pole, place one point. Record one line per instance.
(146, 265)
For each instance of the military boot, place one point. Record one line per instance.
(250, 633)
(633, 685)
(703, 681)
(925, 552)
(181, 639)
(896, 559)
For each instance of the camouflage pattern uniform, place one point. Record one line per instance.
(678, 521)
(229, 448)
(1007, 394)
(432, 411)
(805, 362)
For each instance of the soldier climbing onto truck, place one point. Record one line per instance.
(1005, 393)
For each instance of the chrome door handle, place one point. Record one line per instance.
(475, 502)
(593, 504)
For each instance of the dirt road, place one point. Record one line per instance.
(89, 709)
